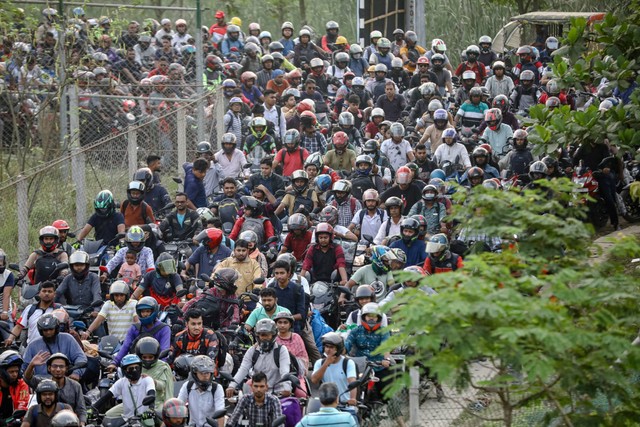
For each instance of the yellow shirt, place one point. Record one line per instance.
(248, 270)
(405, 51)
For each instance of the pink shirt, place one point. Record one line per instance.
(295, 345)
(129, 273)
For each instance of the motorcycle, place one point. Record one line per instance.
(587, 185)
(80, 317)
(631, 204)
(29, 292)
(324, 297)
(180, 250)
(361, 257)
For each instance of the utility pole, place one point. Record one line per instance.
(200, 81)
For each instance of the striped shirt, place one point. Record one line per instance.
(118, 319)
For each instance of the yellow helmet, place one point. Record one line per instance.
(341, 40)
(236, 21)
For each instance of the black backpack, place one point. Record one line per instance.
(45, 265)
(294, 368)
(306, 201)
(143, 333)
(223, 346)
(228, 210)
(361, 184)
(214, 387)
(345, 365)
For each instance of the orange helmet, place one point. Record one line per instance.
(61, 225)
(214, 238)
(340, 139)
(403, 175)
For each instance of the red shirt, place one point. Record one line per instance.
(477, 68)
(371, 128)
(292, 161)
(307, 265)
(298, 245)
(19, 395)
(268, 229)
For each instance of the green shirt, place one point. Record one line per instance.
(365, 276)
(259, 313)
(163, 378)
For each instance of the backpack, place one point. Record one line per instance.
(45, 265)
(352, 205)
(361, 184)
(222, 348)
(294, 367)
(306, 201)
(214, 387)
(454, 263)
(380, 214)
(142, 333)
(256, 225)
(143, 206)
(210, 307)
(345, 364)
(33, 307)
(228, 210)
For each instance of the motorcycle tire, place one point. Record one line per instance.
(598, 215)
(633, 207)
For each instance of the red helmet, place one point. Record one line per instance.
(213, 62)
(324, 227)
(302, 107)
(214, 238)
(310, 116)
(403, 175)
(416, 269)
(340, 139)
(423, 60)
(61, 225)
(487, 147)
(493, 117)
(128, 105)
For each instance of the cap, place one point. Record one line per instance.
(277, 73)
(219, 14)
(165, 21)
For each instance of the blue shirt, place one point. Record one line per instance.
(106, 229)
(335, 374)
(416, 253)
(158, 197)
(292, 297)
(64, 343)
(327, 417)
(207, 260)
(288, 45)
(361, 343)
(194, 187)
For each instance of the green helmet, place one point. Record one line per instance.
(104, 204)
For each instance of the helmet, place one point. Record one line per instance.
(341, 56)
(266, 326)
(427, 192)
(104, 204)
(131, 360)
(334, 339)
(332, 25)
(475, 91)
(365, 291)
(248, 75)
(323, 183)
(403, 175)
(355, 49)
(225, 279)
(483, 41)
(297, 221)
(314, 159)
(304, 32)
(235, 100)
(205, 365)
(230, 83)
(378, 253)
(364, 158)
(475, 172)
(434, 105)
(501, 102)
(396, 63)
(527, 76)
(213, 238)
(46, 386)
(342, 185)
(300, 174)
(393, 201)
(204, 147)
(553, 102)
(340, 140)
(371, 308)
(135, 186)
(552, 87)
(119, 287)
(425, 60)
(65, 418)
(284, 315)
(80, 257)
(174, 408)
(384, 43)
(520, 134)
(275, 46)
(266, 58)
(410, 36)
(371, 148)
(145, 176)
(448, 133)
(286, 25)
(498, 64)
(264, 35)
(324, 227)
(438, 174)
(438, 243)
(329, 214)
(254, 26)
(550, 162)
(232, 29)
(249, 236)
(316, 62)
(440, 115)
(11, 358)
(148, 345)
(61, 225)
(135, 235)
(377, 112)
(524, 50)
(228, 142)
(371, 194)
(396, 130)
(256, 123)
(410, 224)
(381, 68)
(256, 206)
(147, 303)
(182, 364)
(165, 265)
(538, 170)
(480, 152)
(288, 258)
(47, 322)
(469, 75)
(438, 46)
(493, 117)
(346, 119)
(396, 254)
(473, 50)
(357, 81)
(375, 34)
(49, 231)
(492, 184)
(291, 139)
(551, 43)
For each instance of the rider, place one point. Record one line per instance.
(344, 202)
(196, 338)
(252, 239)
(81, 287)
(135, 242)
(14, 392)
(440, 259)
(472, 111)
(432, 210)
(526, 92)
(182, 223)
(202, 394)
(254, 220)
(135, 210)
(496, 133)
(299, 195)
(163, 283)
(341, 157)
(391, 226)
(223, 288)
(292, 156)
(364, 178)
(63, 231)
(267, 177)
(410, 244)
(259, 138)
(44, 260)
(405, 189)
(248, 268)
(231, 159)
(299, 236)
(259, 407)
(377, 271)
(207, 256)
(155, 195)
(528, 62)
(148, 350)
(381, 165)
(452, 151)
(119, 312)
(518, 159)
(367, 221)
(41, 414)
(397, 148)
(468, 83)
(325, 257)
(480, 158)
(499, 83)
(487, 57)
(32, 312)
(472, 64)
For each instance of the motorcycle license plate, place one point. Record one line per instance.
(581, 190)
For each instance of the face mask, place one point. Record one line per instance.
(2, 269)
(133, 374)
(266, 346)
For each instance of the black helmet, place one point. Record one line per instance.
(365, 291)
(182, 365)
(8, 359)
(47, 322)
(203, 147)
(56, 356)
(334, 339)
(65, 418)
(410, 224)
(145, 176)
(148, 345)
(47, 386)
(256, 206)
(225, 279)
(550, 162)
(104, 204)
(370, 147)
(393, 201)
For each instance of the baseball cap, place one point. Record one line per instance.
(277, 73)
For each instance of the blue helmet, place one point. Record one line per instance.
(438, 173)
(130, 359)
(323, 183)
(377, 256)
(147, 303)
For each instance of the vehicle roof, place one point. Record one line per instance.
(554, 16)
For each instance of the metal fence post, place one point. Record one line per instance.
(77, 157)
(414, 397)
(132, 149)
(182, 139)
(22, 196)
(219, 118)
(200, 81)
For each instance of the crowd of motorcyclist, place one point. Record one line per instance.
(328, 146)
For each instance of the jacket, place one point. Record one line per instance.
(173, 230)
(163, 335)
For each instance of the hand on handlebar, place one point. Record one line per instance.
(230, 392)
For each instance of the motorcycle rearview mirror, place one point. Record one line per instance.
(79, 365)
(148, 400)
(120, 236)
(169, 206)
(216, 416)
(71, 235)
(61, 266)
(19, 414)
(271, 239)
(31, 291)
(352, 385)
(295, 381)
(205, 277)
(181, 266)
(105, 354)
(227, 376)
(368, 238)
(97, 303)
(344, 290)
(177, 180)
(164, 353)
(279, 421)
(247, 166)
(15, 267)
(181, 293)
(258, 281)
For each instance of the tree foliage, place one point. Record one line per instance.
(549, 324)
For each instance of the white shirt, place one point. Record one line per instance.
(456, 153)
(280, 123)
(178, 40)
(382, 234)
(132, 395)
(370, 224)
(337, 229)
(201, 403)
(231, 167)
(32, 322)
(396, 153)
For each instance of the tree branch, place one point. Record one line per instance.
(526, 400)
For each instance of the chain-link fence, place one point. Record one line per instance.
(107, 142)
